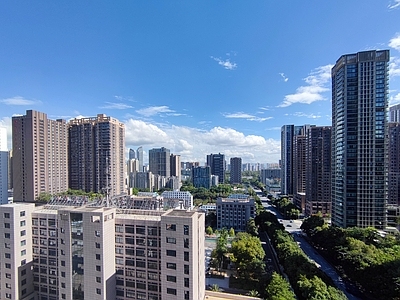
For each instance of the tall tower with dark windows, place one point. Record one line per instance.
(160, 161)
(217, 164)
(359, 143)
(236, 170)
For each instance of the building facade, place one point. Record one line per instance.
(4, 166)
(318, 171)
(40, 159)
(201, 177)
(359, 145)
(160, 161)
(96, 155)
(234, 212)
(394, 113)
(101, 253)
(394, 164)
(236, 170)
(216, 162)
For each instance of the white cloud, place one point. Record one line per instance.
(6, 123)
(194, 144)
(394, 99)
(154, 110)
(18, 100)
(394, 67)
(302, 114)
(240, 115)
(395, 41)
(114, 105)
(318, 82)
(285, 79)
(395, 4)
(227, 64)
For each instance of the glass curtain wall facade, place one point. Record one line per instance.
(359, 144)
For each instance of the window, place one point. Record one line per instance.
(171, 227)
(186, 243)
(63, 285)
(7, 235)
(152, 231)
(186, 256)
(63, 296)
(8, 285)
(6, 225)
(97, 245)
(171, 240)
(22, 213)
(98, 279)
(8, 275)
(22, 223)
(97, 233)
(63, 274)
(171, 266)
(98, 291)
(23, 272)
(171, 291)
(23, 252)
(8, 296)
(23, 282)
(186, 229)
(63, 263)
(186, 294)
(129, 241)
(7, 255)
(186, 282)
(23, 262)
(129, 229)
(98, 268)
(23, 242)
(8, 266)
(171, 253)
(186, 269)
(171, 278)
(98, 256)
(6, 215)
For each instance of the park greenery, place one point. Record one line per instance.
(286, 207)
(46, 197)
(365, 256)
(306, 279)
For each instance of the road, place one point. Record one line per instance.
(293, 227)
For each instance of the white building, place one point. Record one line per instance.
(68, 252)
(170, 197)
(235, 212)
(3, 166)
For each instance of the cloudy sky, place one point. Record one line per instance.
(197, 77)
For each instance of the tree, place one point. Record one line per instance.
(215, 288)
(231, 232)
(44, 197)
(251, 227)
(209, 230)
(279, 289)
(247, 253)
(311, 223)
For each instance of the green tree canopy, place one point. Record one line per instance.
(279, 289)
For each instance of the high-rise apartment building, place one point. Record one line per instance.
(101, 253)
(318, 170)
(96, 155)
(3, 166)
(236, 170)
(175, 166)
(359, 145)
(394, 164)
(394, 113)
(132, 154)
(40, 160)
(217, 164)
(159, 161)
(139, 156)
(201, 177)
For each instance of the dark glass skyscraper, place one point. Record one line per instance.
(217, 165)
(359, 145)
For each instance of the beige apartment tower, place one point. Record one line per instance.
(96, 155)
(40, 160)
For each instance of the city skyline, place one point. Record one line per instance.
(189, 77)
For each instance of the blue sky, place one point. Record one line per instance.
(197, 77)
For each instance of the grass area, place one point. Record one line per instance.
(247, 284)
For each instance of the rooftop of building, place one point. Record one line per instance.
(180, 213)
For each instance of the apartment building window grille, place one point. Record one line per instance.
(6, 225)
(7, 235)
(186, 229)
(7, 255)
(171, 266)
(171, 240)
(22, 213)
(171, 278)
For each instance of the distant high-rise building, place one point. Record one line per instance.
(159, 161)
(139, 156)
(394, 113)
(217, 164)
(132, 154)
(359, 146)
(394, 164)
(3, 166)
(175, 166)
(236, 170)
(201, 177)
(318, 170)
(40, 159)
(288, 134)
(96, 155)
